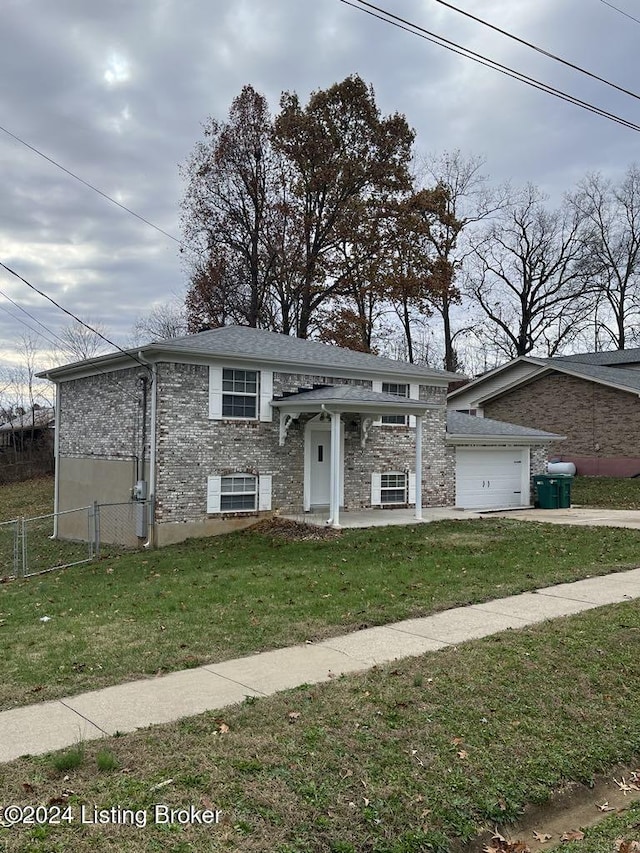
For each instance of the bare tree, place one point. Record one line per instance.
(613, 248)
(79, 342)
(462, 196)
(167, 320)
(529, 276)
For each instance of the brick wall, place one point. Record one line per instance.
(190, 447)
(599, 422)
(101, 417)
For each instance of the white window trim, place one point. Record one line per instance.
(262, 493)
(414, 394)
(384, 489)
(263, 395)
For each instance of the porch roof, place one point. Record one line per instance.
(351, 398)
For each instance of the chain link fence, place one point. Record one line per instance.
(32, 546)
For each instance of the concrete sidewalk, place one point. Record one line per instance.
(36, 729)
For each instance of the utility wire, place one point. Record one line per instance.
(416, 30)
(24, 322)
(35, 319)
(622, 12)
(71, 314)
(540, 49)
(91, 186)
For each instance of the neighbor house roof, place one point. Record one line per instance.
(35, 419)
(595, 367)
(468, 426)
(244, 344)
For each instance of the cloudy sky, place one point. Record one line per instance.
(116, 92)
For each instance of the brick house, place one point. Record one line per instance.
(219, 428)
(591, 398)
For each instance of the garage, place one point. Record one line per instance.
(488, 477)
(494, 461)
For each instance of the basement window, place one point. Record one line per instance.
(393, 488)
(238, 492)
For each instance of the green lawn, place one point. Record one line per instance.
(606, 492)
(407, 758)
(134, 614)
(137, 614)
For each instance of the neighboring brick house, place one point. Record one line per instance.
(591, 398)
(221, 427)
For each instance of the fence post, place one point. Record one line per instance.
(16, 548)
(96, 528)
(23, 531)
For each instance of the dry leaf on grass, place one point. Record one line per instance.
(632, 785)
(621, 845)
(292, 716)
(605, 807)
(542, 837)
(572, 835)
(499, 844)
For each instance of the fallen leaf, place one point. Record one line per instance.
(542, 837)
(223, 728)
(625, 786)
(457, 741)
(572, 835)
(462, 754)
(28, 787)
(293, 716)
(605, 807)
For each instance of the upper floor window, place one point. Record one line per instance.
(239, 393)
(236, 393)
(400, 391)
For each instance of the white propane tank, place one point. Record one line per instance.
(561, 468)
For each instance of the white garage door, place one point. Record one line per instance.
(492, 478)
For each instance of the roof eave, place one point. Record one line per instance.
(461, 438)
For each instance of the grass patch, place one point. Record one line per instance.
(137, 614)
(606, 492)
(407, 758)
(71, 759)
(106, 761)
(29, 498)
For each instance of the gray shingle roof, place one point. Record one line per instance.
(619, 376)
(350, 394)
(461, 424)
(607, 359)
(260, 345)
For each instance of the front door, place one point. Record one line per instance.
(320, 467)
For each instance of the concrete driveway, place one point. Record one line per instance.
(580, 516)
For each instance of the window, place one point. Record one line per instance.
(238, 492)
(400, 391)
(393, 488)
(239, 393)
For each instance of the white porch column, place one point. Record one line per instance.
(334, 507)
(419, 467)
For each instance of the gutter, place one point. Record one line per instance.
(152, 392)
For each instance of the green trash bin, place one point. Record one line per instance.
(564, 490)
(547, 493)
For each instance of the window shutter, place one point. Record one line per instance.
(376, 486)
(414, 394)
(264, 492)
(215, 393)
(377, 387)
(412, 488)
(213, 494)
(266, 395)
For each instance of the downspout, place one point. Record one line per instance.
(151, 497)
(56, 462)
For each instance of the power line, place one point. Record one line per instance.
(91, 186)
(622, 12)
(24, 322)
(416, 30)
(71, 314)
(540, 49)
(35, 319)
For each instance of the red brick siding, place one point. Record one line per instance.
(600, 423)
